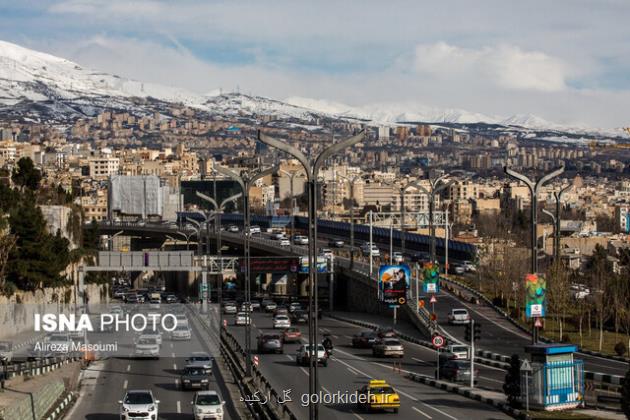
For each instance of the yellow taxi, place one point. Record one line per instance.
(378, 395)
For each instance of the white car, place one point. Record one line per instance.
(284, 242)
(139, 405)
(294, 306)
(456, 351)
(233, 229)
(254, 229)
(459, 316)
(61, 343)
(397, 257)
(366, 249)
(6, 351)
(147, 347)
(241, 318)
(300, 240)
(200, 360)
(278, 236)
(388, 347)
(281, 321)
(326, 252)
(153, 334)
(207, 405)
(230, 308)
(303, 355)
(181, 332)
(269, 305)
(469, 266)
(182, 319)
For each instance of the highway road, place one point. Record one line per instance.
(105, 382)
(350, 368)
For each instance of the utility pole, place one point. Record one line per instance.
(534, 188)
(351, 182)
(312, 167)
(403, 210)
(246, 180)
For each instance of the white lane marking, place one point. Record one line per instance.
(304, 370)
(421, 361)
(438, 410)
(125, 384)
(422, 412)
(482, 365)
(179, 406)
(356, 415)
(491, 379)
(348, 336)
(347, 365)
(326, 390)
(171, 345)
(354, 372)
(172, 354)
(411, 397)
(177, 383)
(174, 366)
(335, 336)
(128, 368)
(289, 356)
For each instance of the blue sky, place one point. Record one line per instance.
(567, 61)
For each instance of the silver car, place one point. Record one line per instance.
(139, 405)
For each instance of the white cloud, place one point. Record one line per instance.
(505, 66)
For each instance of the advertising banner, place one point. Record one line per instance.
(271, 265)
(535, 295)
(431, 278)
(393, 282)
(322, 264)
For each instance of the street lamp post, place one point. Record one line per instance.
(292, 175)
(351, 182)
(217, 223)
(246, 180)
(534, 188)
(312, 167)
(403, 189)
(558, 196)
(437, 185)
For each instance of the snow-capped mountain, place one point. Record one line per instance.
(49, 87)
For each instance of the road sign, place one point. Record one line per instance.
(526, 366)
(438, 341)
(433, 299)
(225, 323)
(256, 360)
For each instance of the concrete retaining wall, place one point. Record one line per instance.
(34, 405)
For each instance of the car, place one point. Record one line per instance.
(469, 266)
(229, 308)
(146, 347)
(268, 305)
(386, 332)
(458, 316)
(367, 247)
(181, 332)
(207, 405)
(397, 257)
(579, 291)
(281, 310)
(291, 335)
(455, 352)
(388, 347)
(281, 321)
(233, 229)
(294, 306)
(278, 235)
(139, 405)
(154, 303)
(326, 252)
(60, 343)
(254, 229)
(132, 298)
(6, 351)
(119, 293)
(300, 240)
(284, 242)
(455, 268)
(364, 339)
(336, 243)
(242, 318)
(194, 377)
(181, 319)
(378, 395)
(255, 305)
(456, 371)
(171, 299)
(304, 352)
(153, 334)
(299, 317)
(200, 359)
(270, 343)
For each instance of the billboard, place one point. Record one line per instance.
(393, 282)
(322, 264)
(270, 265)
(431, 277)
(535, 295)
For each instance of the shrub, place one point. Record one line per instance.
(620, 349)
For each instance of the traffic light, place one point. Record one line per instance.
(477, 331)
(467, 335)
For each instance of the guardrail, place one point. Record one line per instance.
(35, 367)
(272, 408)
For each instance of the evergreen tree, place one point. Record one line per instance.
(512, 385)
(26, 175)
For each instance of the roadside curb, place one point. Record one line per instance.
(62, 406)
(468, 394)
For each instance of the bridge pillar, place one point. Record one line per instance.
(204, 292)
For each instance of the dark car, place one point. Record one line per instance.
(299, 317)
(456, 371)
(171, 299)
(336, 243)
(194, 377)
(364, 339)
(270, 343)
